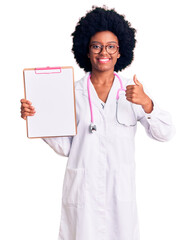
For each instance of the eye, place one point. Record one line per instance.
(111, 46)
(94, 46)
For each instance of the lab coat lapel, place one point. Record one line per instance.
(111, 99)
(94, 97)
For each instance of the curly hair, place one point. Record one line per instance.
(101, 19)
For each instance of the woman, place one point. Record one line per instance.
(99, 186)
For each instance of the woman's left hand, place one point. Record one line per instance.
(135, 94)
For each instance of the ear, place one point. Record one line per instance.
(118, 56)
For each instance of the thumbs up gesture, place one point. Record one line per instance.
(135, 94)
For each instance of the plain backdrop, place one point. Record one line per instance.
(37, 34)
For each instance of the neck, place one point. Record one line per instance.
(102, 78)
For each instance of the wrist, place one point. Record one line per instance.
(148, 106)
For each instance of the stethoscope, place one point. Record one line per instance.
(92, 126)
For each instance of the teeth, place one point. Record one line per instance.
(103, 59)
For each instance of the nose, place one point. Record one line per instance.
(103, 50)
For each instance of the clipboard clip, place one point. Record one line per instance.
(48, 70)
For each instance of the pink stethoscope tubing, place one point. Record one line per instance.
(92, 126)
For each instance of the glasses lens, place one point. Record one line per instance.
(112, 48)
(95, 48)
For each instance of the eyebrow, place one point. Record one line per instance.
(106, 43)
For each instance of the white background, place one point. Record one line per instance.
(37, 34)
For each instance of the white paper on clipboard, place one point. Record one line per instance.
(51, 91)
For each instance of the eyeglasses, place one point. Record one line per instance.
(110, 48)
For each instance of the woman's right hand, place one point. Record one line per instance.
(26, 109)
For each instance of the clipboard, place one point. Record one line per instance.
(52, 93)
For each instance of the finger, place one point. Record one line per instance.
(24, 105)
(129, 87)
(129, 99)
(25, 101)
(131, 90)
(24, 111)
(136, 80)
(24, 115)
(27, 108)
(131, 96)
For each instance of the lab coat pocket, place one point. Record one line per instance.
(124, 112)
(125, 186)
(73, 189)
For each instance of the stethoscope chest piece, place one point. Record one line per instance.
(92, 128)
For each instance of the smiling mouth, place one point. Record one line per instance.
(103, 60)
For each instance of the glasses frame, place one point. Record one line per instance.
(103, 46)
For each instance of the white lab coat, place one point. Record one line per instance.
(99, 199)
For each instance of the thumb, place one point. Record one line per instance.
(136, 81)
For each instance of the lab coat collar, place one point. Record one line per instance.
(94, 97)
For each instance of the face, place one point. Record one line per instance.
(103, 61)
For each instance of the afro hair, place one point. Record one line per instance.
(102, 19)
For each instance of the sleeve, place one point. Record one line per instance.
(60, 145)
(158, 124)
